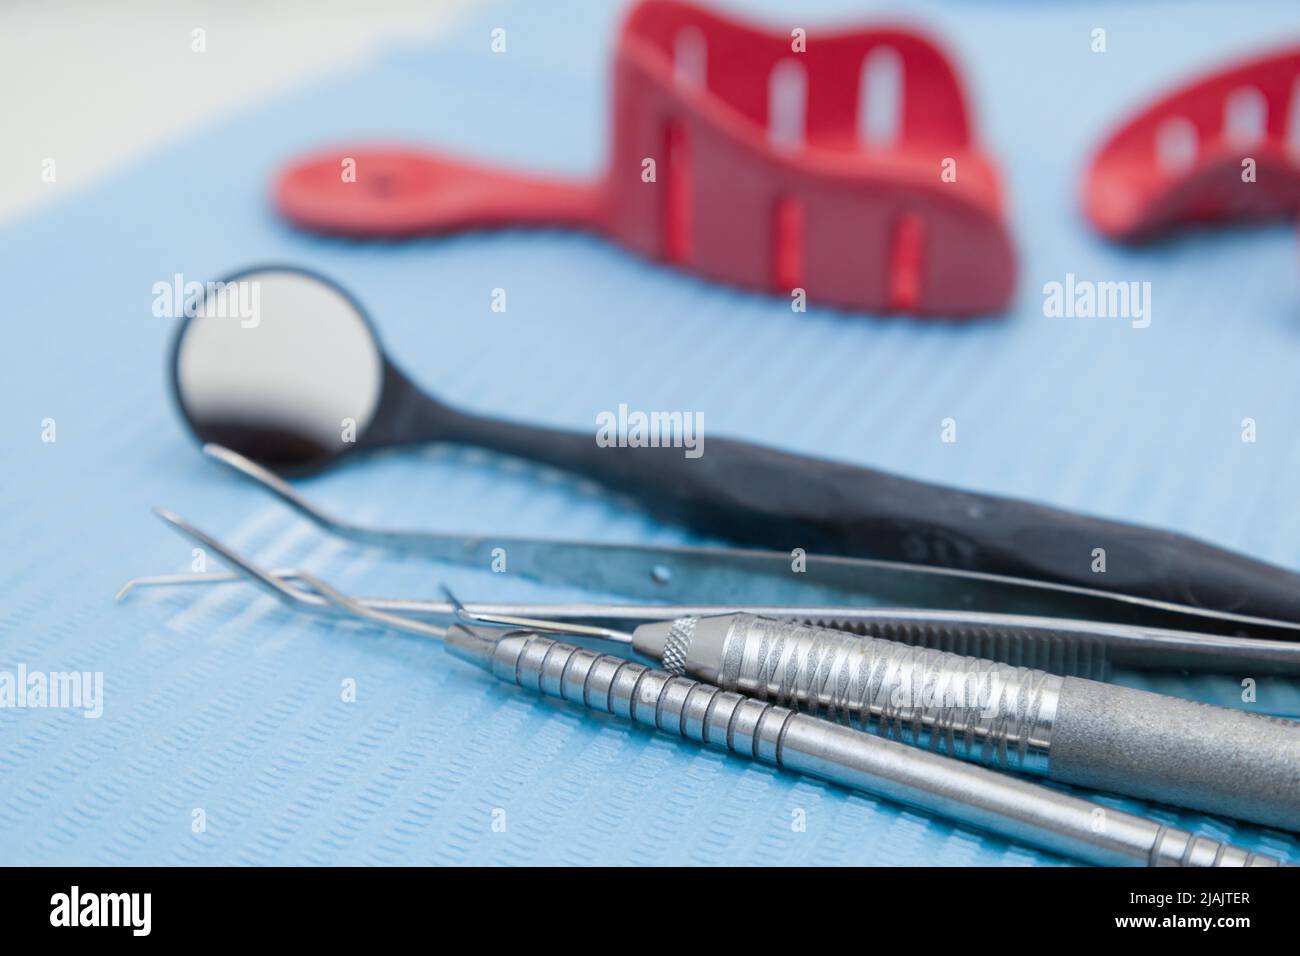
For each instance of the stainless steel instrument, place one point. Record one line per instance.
(1062, 628)
(1069, 729)
(770, 733)
(1073, 730)
(1063, 646)
(968, 794)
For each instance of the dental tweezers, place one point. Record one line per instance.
(1068, 729)
(1066, 629)
(968, 794)
(1027, 719)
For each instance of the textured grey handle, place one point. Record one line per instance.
(968, 794)
(1056, 649)
(1077, 731)
(1178, 751)
(975, 709)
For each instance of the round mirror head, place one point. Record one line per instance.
(280, 365)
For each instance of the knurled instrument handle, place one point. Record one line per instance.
(963, 792)
(1103, 736)
(967, 707)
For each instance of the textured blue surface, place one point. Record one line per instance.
(219, 700)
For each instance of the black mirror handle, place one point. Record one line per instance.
(759, 496)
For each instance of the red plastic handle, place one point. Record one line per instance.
(400, 192)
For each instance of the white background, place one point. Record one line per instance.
(92, 83)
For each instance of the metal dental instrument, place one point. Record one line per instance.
(967, 794)
(704, 575)
(1068, 729)
(1065, 647)
(315, 361)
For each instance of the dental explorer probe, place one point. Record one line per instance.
(970, 795)
(1077, 731)
(1064, 646)
(1073, 730)
(692, 575)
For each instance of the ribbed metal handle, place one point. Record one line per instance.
(975, 709)
(975, 796)
(645, 695)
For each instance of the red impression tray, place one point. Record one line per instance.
(1179, 161)
(773, 170)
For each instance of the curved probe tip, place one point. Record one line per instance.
(272, 482)
(259, 576)
(325, 599)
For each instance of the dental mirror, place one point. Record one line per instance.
(284, 367)
(279, 364)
